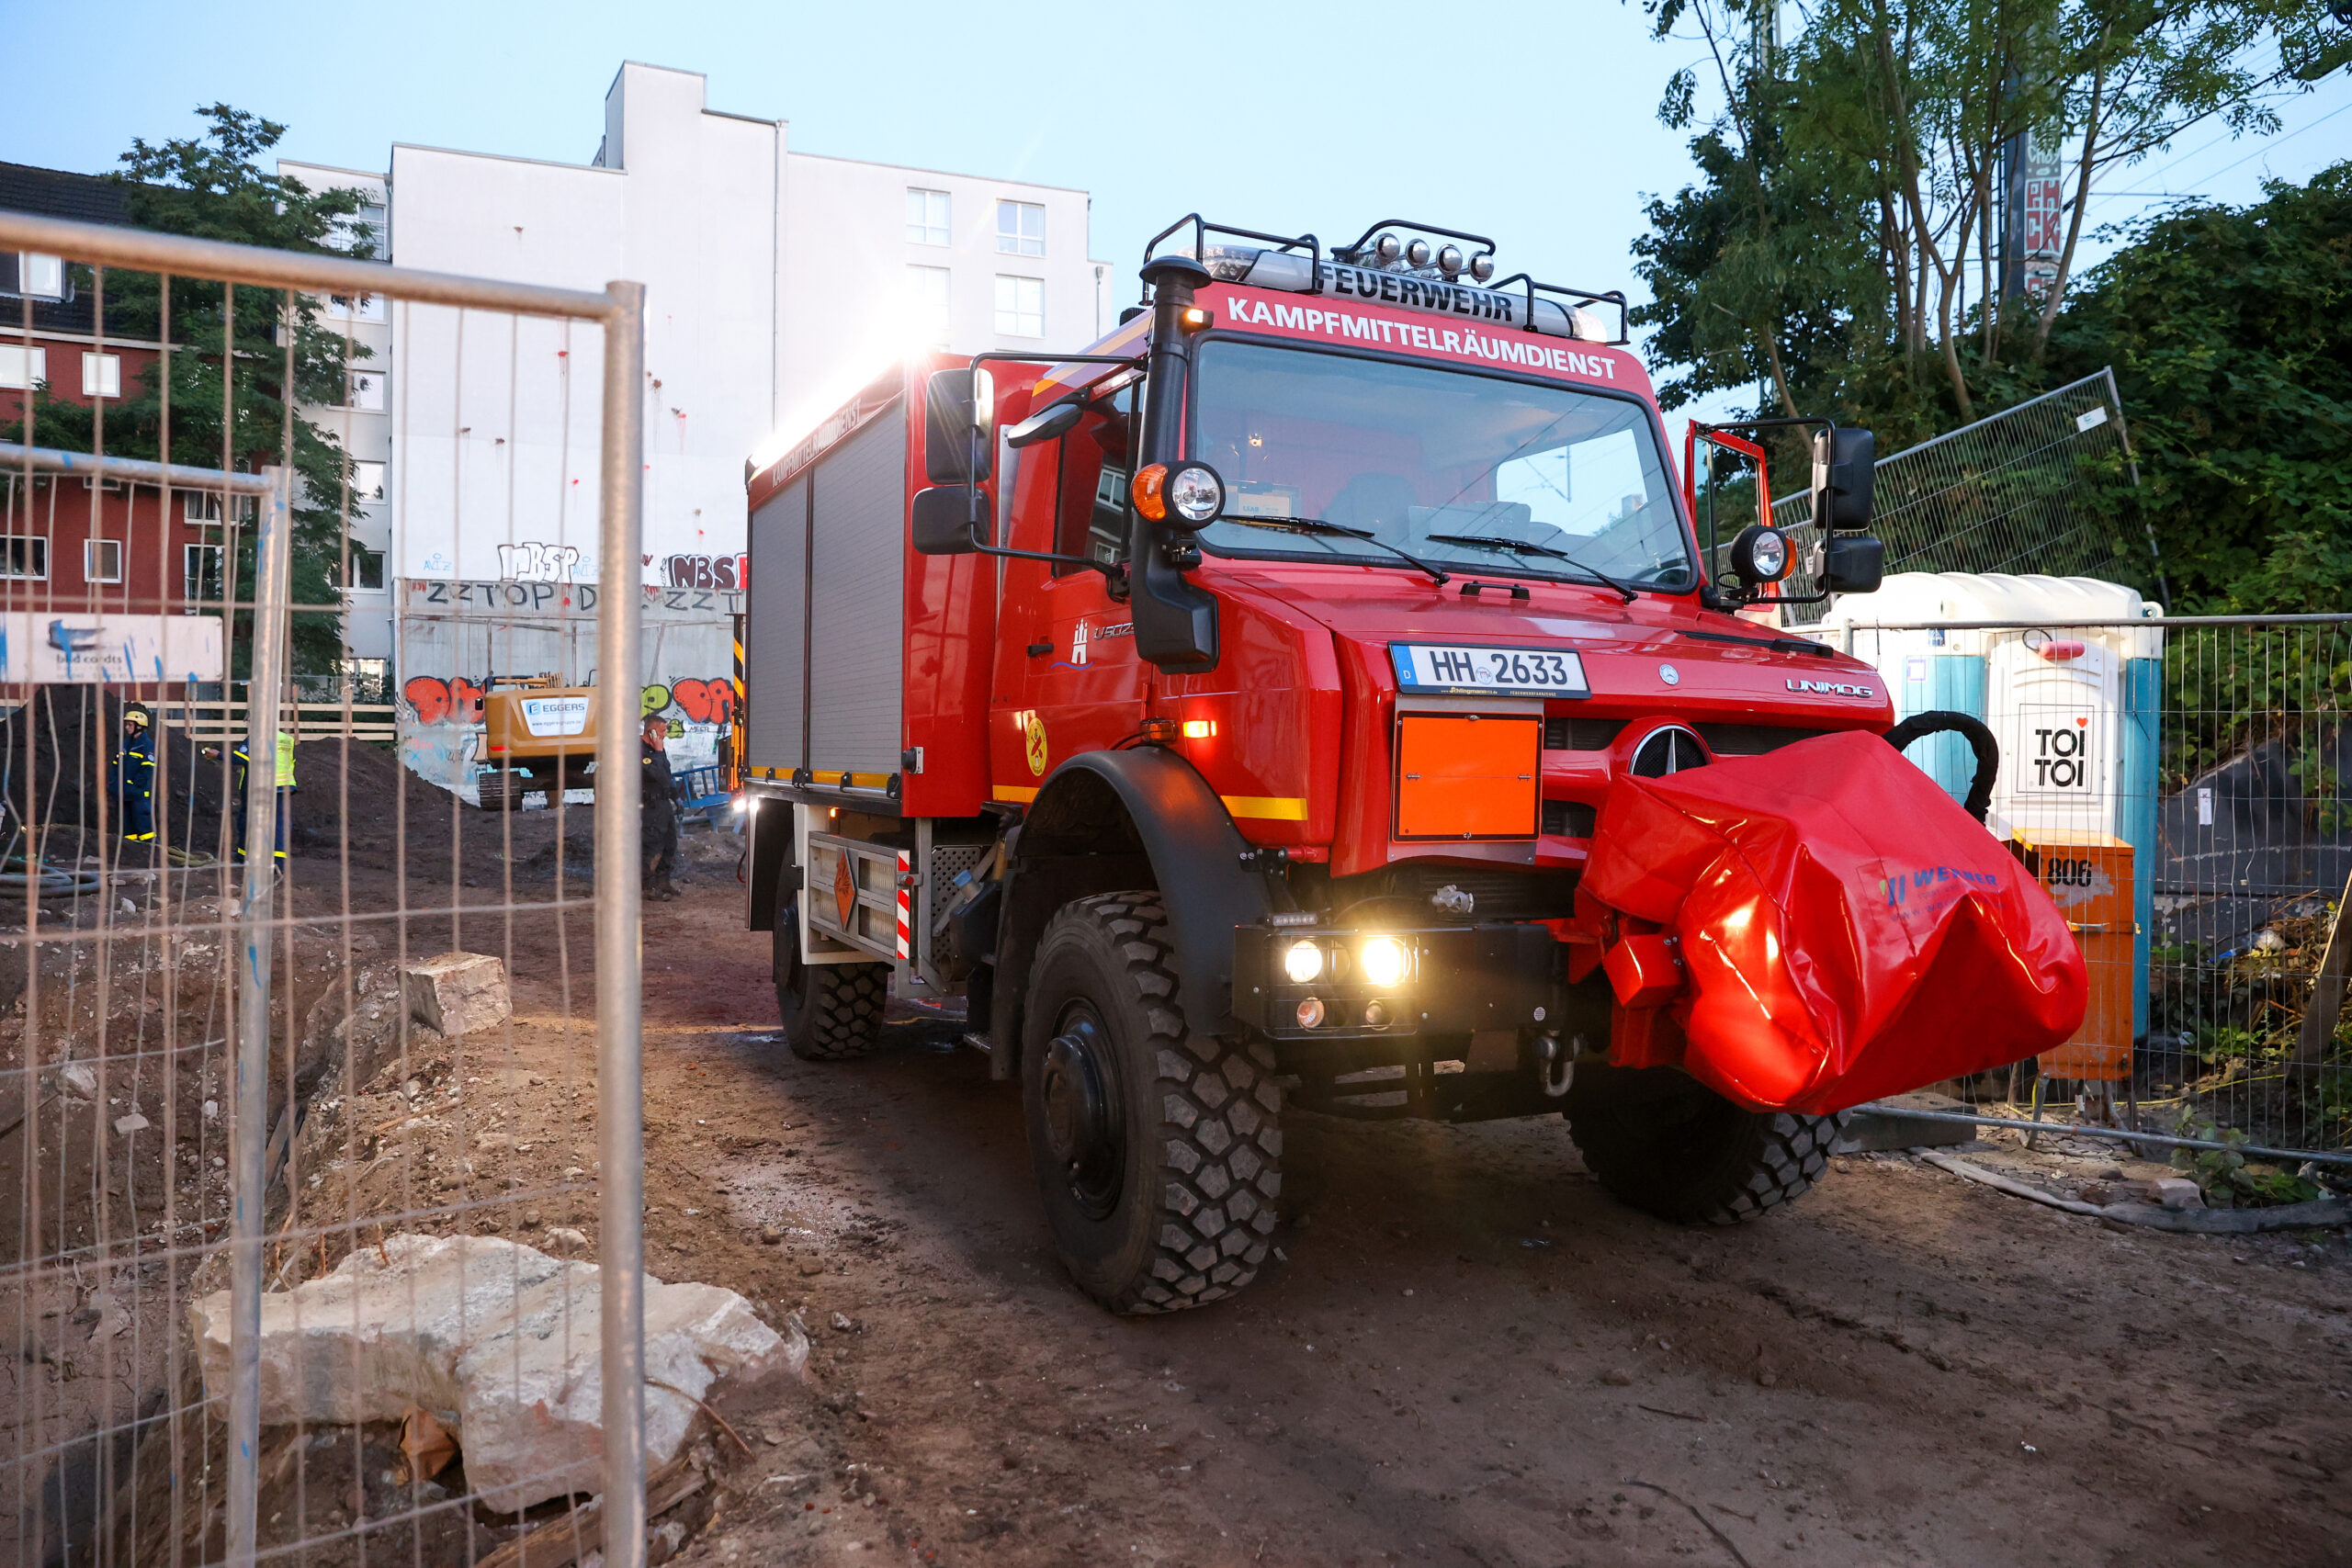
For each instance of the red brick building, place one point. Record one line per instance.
(66, 544)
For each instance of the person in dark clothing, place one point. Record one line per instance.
(134, 777)
(657, 813)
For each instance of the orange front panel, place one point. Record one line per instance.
(1471, 776)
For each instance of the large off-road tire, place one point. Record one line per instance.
(832, 1012)
(1666, 1143)
(1158, 1151)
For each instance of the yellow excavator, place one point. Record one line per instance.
(537, 735)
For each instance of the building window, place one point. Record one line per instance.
(28, 275)
(201, 509)
(364, 226)
(21, 366)
(927, 221)
(929, 296)
(367, 483)
(203, 579)
(356, 307)
(102, 375)
(1020, 229)
(366, 570)
(367, 391)
(1020, 306)
(102, 560)
(25, 555)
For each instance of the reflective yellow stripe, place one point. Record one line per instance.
(1276, 807)
(1280, 808)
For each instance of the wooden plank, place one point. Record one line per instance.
(2326, 1004)
(565, 1540)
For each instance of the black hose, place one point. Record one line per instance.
(1980, 740)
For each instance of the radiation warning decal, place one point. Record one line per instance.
(1033, 739)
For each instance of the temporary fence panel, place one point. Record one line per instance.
(300, 1057)
(2224, 801)
(2012, 492)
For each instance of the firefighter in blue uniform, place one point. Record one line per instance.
(134, 777)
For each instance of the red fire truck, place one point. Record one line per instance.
(1319, 694)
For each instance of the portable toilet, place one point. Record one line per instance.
(2069, 685)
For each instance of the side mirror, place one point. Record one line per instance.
(1055, 422)
(1843, 461)
(959, 426)
(942, 521)
(1851, 563)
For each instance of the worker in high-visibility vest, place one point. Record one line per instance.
(133, 784)
(285, 764)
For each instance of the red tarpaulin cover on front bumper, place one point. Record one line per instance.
(1849, 931)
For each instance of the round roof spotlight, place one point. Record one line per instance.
(1762, 554)
(1195, 496)
(1482, 267)
(1448, 261)
(1388, 248)
(1417, 253)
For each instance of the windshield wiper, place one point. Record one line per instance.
(1317, 525)
(1522, 547)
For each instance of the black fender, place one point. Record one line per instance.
(1106, 821)
(769, 831)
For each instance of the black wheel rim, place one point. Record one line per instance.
(1085, 1124)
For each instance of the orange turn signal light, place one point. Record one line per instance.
(1195, 319)
(1149, 483)
(1199, 728)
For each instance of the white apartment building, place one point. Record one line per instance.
(777, 283)
(363, 422)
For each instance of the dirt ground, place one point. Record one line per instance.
(1464, 1352)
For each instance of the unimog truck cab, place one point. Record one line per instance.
(1318, 695)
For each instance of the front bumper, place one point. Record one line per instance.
(1506, 974)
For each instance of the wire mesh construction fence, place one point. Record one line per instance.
(2018, 490)
(2179, 784)
(276, 1234)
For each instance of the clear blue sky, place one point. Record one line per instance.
(1531, 122)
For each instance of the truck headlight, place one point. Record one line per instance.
(1383, 960)
(1762, 554)
(1303, 962)
(1196, 495)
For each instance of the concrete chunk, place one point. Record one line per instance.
(457, 993)
(501, 1343)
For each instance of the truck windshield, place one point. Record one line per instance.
(1454, 466)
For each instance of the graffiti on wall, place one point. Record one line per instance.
(702, 702)
(726, 573)
(532, 561)
(432, 700)
(698, 701)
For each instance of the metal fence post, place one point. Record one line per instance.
(249, 1126)
(620, 1045)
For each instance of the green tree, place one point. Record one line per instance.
(213, 186)
(1847, 217)
(2230, 329)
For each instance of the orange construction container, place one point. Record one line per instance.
(2088, 876)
